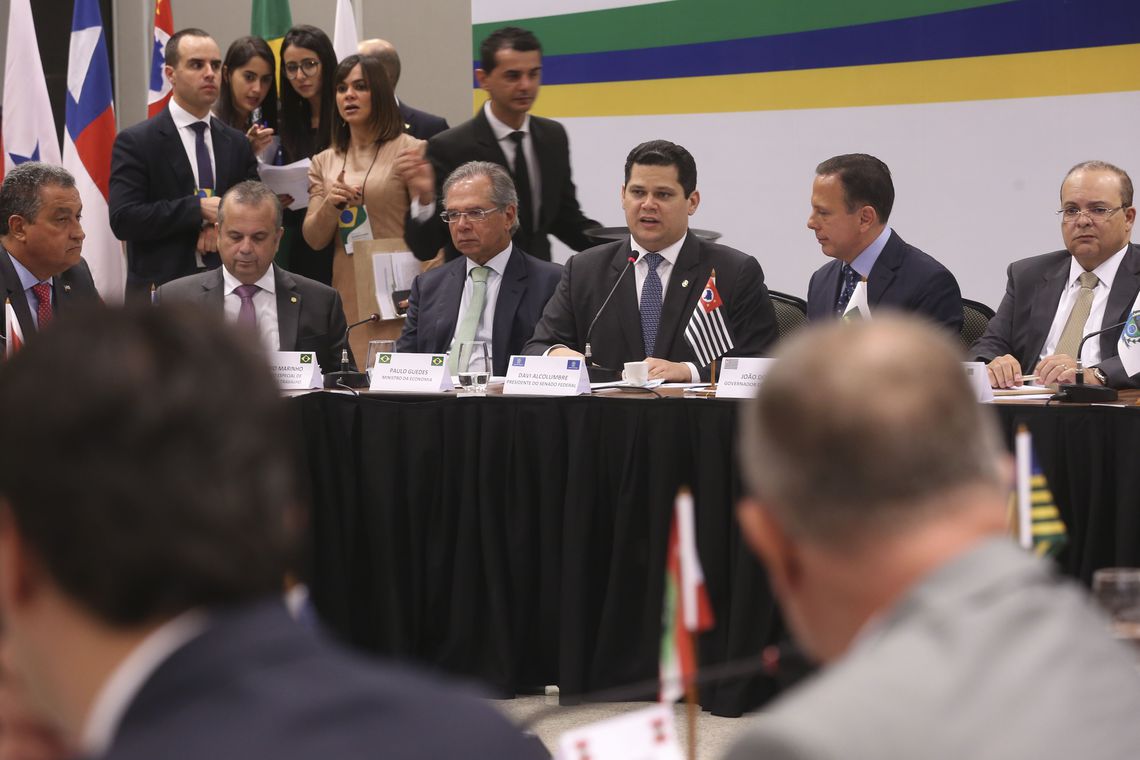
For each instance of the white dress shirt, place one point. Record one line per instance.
(502, 134)
(485, 330)
(1106, 272)
(182, 120)
(664, 270)
(27, 281)
(264, 306)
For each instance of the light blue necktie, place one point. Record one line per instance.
(470, 321)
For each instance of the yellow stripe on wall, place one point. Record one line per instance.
(1023, 75)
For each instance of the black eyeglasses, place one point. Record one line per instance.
(309, 66)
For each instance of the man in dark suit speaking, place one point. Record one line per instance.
(148, 513)
(1053, 300)
(168, 173)
(851, 201)
(534, 150)
(41, 269)
(494, 293)
(288, 311)
(647, 316)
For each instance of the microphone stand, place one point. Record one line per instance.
(1080, 393)
(346, 377)
(589, 352)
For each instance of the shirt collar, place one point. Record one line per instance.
(183, 118)
(865, 261)
(501, 130)
(670, 254)
(498, 262)
(267, 282)
(27, 279)
(1106, 272)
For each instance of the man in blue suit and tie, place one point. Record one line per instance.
(493, 292)
(851, 201)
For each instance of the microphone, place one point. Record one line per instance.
(1079, 393)
(346, 377)
(589, 353)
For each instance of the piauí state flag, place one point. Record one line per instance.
(158, 89)
(29, 127)
(87, 143)
(686, 609)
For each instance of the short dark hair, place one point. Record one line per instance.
(507, 38)
(251, 193)
(20, 193)
(385, 115)
(866, 182)
(172, 55)
(1104, 166)
(665, 153)
(152, 472)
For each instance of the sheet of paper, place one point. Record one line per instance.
(290, 179)
(392, 272)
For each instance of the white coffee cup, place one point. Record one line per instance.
(636, 373)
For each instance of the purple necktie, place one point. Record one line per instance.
(205, 170)
(247, 315)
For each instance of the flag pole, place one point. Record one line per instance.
(691, 707)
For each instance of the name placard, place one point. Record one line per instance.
(417, 373)
(646, 734)
(740, 376)
(546, 376)
(980, 379)
(296, 370)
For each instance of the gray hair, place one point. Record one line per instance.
(251, 193)
(503, 191)
(20, 193)
(1104, 166)
(859, 428)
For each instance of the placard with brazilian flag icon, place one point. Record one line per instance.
(296, 370)
(411, 373)
(353, 226)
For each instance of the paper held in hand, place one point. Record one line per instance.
(296, 370)
(290, 179)
(411, 373)
(546, 376)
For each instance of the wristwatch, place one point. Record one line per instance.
(1099, 375)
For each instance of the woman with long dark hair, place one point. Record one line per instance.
(308, 63)
(247, 99)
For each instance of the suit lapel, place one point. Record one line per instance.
(1120, 299)
(289, 304)
(16, 295)
(450, 294)
(689, 274)
(511, 291)
(221, 154)
(548, 182)
(173, 148)
(485, 137)
(624, 303)
(883, 273)
(1044, 308)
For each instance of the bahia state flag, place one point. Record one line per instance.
(29, 127)
(1128, 347)
(707, 333)
(87, 143)
(13, 335)
(686, 610)
(158, 90)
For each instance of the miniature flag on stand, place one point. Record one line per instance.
(14, 336)
(686, 610)
(1128, 347)
(87, 143)
(345, 38)
(707, 333)
(29, 127)
(158, 91)
(857, 307)
(1039, 525)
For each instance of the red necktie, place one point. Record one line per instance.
(43, 309)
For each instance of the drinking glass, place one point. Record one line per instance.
(375, 348)
(474, 367)
(1117, 589)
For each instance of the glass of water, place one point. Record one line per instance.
(474, 367)
(1117, 589)
(375, 349)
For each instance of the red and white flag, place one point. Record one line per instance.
(707, 333)
(158, 91)
(87, 143)
(687, 609)
(13, 335)
(29, 127)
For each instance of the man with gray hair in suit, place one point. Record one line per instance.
(880, 516)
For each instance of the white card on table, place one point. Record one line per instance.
(980, 379)
(547, 376)
(415, 373)
(645, 734)
(741, 376)
(296, 370)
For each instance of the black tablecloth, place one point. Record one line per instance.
(522, 541)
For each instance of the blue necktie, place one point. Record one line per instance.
(651, 302)
(205, 170)
(850, 280)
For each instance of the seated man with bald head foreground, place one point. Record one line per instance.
(148, 513)
(878, 496)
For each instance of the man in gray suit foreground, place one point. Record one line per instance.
(880, 517)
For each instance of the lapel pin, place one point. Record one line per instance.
(684, 283)
(293, 299)
(66, 288)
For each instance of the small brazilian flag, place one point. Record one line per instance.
(384, 359)
(351, 218)
(306, 358)
(437, 361)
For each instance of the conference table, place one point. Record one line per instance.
(520, 541)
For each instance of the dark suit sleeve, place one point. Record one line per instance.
(557, 325)
(941, 300)
(408, 338)
(134, 216)
(753, 319)
(998, 338)
(427, 237)
(570, 223)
